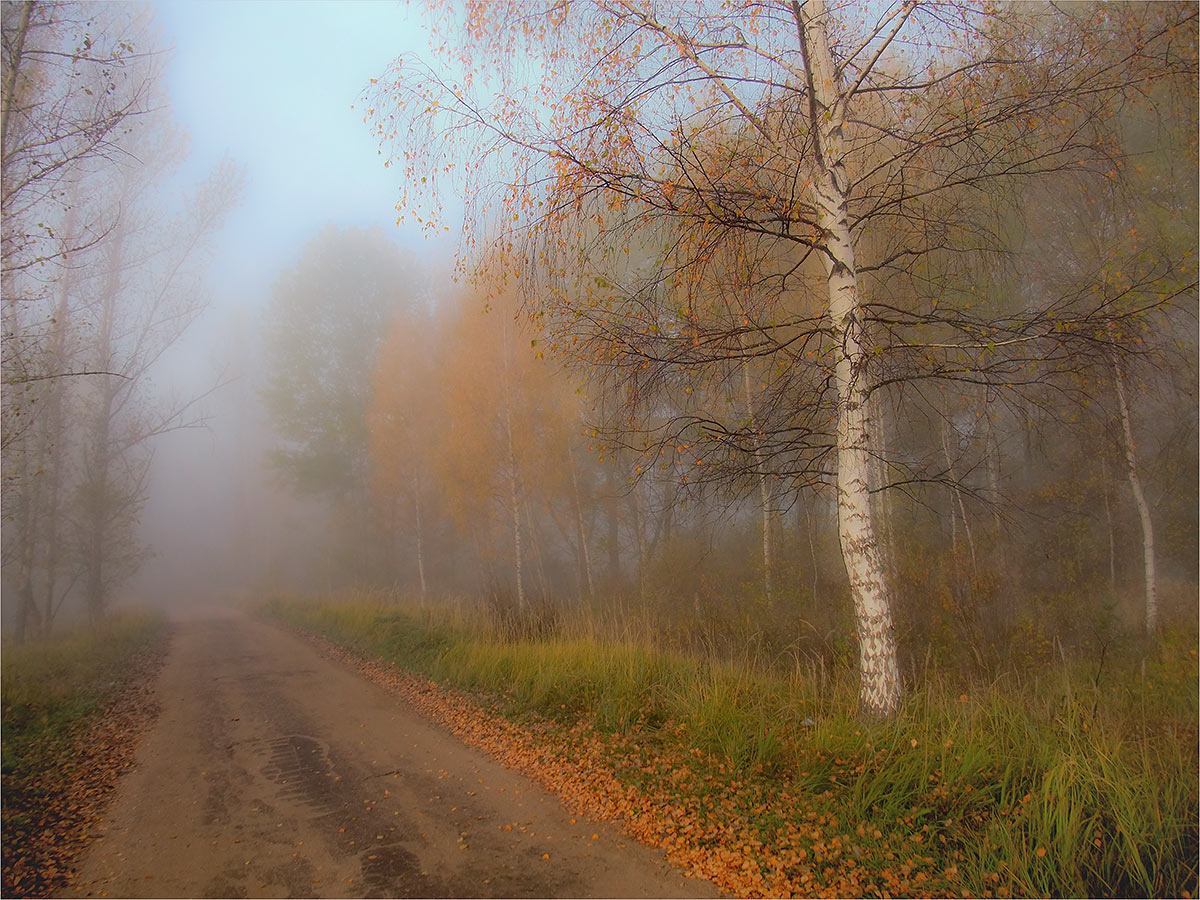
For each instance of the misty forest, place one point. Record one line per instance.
(767, 431)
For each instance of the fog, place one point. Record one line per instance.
(241, 80)
(289, 326)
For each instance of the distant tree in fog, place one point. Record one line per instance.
(470, 425)
(147, 293)
(322, 330)
(403, 405)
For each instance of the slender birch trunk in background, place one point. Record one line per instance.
(514, 496)
(55, 446)
(28, 620)
(99, 453)
(585, 556)
(995, 491)
(764, 490)
(535, 549)
(1110, 527)
(639, 534)
(614, 536)
(514, 488)
(416, 488)
(1139, 498)
(957, 501)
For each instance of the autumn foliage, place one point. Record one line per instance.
(828, 194)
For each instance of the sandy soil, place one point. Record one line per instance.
(274, 772)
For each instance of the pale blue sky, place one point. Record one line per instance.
(272, 85)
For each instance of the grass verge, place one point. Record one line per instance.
(71, 705)
(1083, 781)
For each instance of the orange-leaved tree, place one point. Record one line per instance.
(402, 404)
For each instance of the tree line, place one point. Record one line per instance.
(921, 276)
(101, 275)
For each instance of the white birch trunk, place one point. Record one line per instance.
(995, 492)
(585, 556)
(514, 490)
(515, 502)
(1139, 498)
(880, 691)
(416, 489)
(614, 535)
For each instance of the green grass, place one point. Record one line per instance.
(1081, 781)
(48, 688)
(51, 692)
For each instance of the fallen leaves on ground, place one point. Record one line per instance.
(750, 836)
(52, 809)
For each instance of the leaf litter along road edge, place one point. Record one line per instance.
(73, 795)
(705, 816)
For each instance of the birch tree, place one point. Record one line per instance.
(488, 439)
(841, 143)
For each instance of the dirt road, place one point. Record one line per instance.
(273, 772)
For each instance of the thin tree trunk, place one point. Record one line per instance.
(880, 689)
(639, 532)
(485, 569)
(1112, 536)
(10, 79)
(515, 501)
(98, 489)
(1139, 498)
(535, 549)
(957, 500)
(416, 488)
(614, 550)
(585, 556)
(28, 618)
(996, 492)
(98, 465)
(812, 551)
(54, 443)
(514, 488)
(764, 489)
(28, 621)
